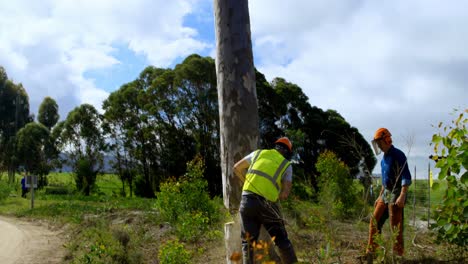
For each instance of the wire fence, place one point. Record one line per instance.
(420, 199)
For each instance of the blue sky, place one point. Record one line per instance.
(396, 64)
(130, 66)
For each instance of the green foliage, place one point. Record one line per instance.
(97, 243)
(5, 190)
(451, 148)
(14, 114)
(48, 113)
(173, 252)
(32, 141)
(85, 175)
(187, 204)
(82, 140)
(303, 190)
(284, 108)
(191, 226)
(336, 185)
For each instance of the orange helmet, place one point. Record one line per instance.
(285, 141)
(383, 133)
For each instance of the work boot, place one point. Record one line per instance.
(370, 257)
(288, 255)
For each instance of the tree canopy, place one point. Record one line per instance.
(153, 126)
(48, 113)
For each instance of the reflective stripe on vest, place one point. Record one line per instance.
(266, 173)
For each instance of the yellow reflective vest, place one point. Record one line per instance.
(264, 174)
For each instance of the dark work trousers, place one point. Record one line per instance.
(256, 211)
(382, 212)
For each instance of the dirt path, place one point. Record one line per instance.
(23, 242)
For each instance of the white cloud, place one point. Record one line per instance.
(396, 64)
(50, 45)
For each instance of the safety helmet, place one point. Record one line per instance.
(381, 134)
(285, 141)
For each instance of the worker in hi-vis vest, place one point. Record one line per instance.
(267, 178)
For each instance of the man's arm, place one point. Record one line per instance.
(285, 190)
(405, 182)
(240, 168)
(402, 197)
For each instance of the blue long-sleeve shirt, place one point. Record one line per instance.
(395, 172)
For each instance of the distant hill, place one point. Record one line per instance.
(107, 168)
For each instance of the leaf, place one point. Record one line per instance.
(435, 186)
(464, 178)
(448, 227)
(441, 222)
(436, 138)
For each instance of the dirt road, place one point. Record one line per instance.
(23, 242)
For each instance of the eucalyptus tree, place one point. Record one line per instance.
(32, 143)
(48, 116)
(14, 114)
(122, 121)
(174, 137)
(237, 98)
(311, 129)
(270, 109)
(83, 143)
(195, 79)
(48, 113)
(130, 113)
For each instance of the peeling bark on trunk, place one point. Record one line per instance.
(238, 107)
(237, 96)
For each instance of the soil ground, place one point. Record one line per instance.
(24, 242)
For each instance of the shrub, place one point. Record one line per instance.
(192, 226)
(173, 252)
(186, 202)
(303, 190)
(4, 190)
(57, 190)
(85, 176)
(451, 149)
(336, 185)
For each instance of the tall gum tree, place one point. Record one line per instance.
(238, 106)
(14, 114)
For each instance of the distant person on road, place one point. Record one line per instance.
(396, 179)
(24, 190)
(267, 177)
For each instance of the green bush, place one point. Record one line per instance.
(337, 190)
(192, 226)
(85, 176)
(5, 190)
(451, 149)
(57, 190)
(186, 204)
(173, 252)
(303, 190)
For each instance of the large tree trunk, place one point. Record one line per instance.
(238, 108)
(237, 96)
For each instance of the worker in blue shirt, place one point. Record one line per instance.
(24, 189)
(396, 179)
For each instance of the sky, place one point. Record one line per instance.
(397, 64)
